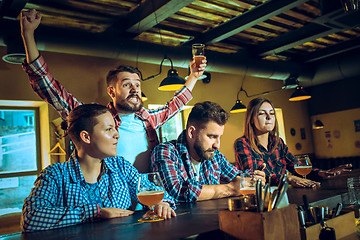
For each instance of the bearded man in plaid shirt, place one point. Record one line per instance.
(191, 167)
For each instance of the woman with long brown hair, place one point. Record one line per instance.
(262, 146)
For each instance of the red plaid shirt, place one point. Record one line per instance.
(276, 163)
(51, 91)
(172, 161)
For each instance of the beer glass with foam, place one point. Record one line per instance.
(247, 184)
(198, 52)
(302, 165)
(150, 192)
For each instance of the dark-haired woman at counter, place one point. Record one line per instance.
(93, 184)
(261, 145)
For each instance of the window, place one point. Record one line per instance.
(280, 120)
(23, 144)
(18, 141)
(172, 128)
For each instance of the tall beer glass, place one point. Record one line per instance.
(150, 192)
(247, 184)
(198, 52)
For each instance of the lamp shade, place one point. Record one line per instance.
(143, 97)
(206, 77)
(172, 82)
(238, 107)
(15, 50)
(318, 124)
(200, 78)
(299, 95)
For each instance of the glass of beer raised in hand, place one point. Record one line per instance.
(247, 184)
(198, 52)
(150, 192)
(302, 165)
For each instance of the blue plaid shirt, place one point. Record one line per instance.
(172, 161)
(60, 199)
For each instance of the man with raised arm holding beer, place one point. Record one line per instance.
(191, 167)
(133, 121)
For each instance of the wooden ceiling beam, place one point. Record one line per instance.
(320, 27)
(332, 50)
(177, 30)
(150, 13)
(246, 20)
(292, 39)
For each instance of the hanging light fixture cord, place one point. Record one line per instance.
(157, 23)
(161, 42)
(137, 47)
(242, 82)
(254, 95)
(162, 61)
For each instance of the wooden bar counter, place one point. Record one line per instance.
(194, 220)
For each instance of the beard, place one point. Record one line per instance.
(204, 154)
(127, 106)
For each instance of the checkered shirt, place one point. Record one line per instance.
(59, 197)
(276, 163)
(51, 91)
(172, 161)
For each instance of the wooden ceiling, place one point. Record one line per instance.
(300, 31)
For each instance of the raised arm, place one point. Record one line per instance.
(42, 81)
(29, 21)
(195, 73)
(181, 98)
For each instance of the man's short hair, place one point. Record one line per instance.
(112, 74)
(207, 111)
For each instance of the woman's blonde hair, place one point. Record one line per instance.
(249, 129)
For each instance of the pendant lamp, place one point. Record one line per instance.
(143, 97)
(172, 82)
(299, 95)
(238, 107)
(318, 125)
